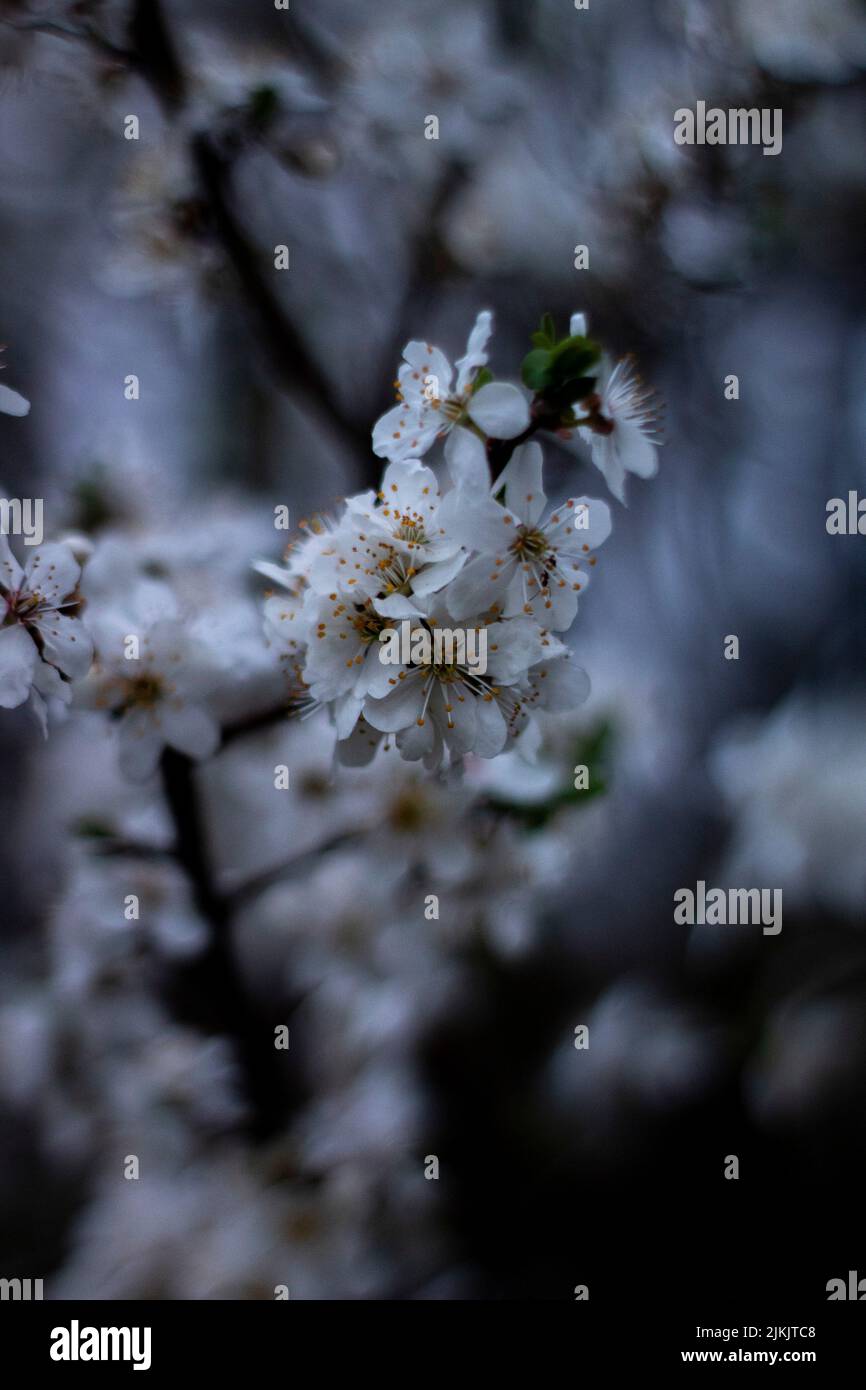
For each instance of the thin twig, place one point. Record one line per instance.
(292, 363)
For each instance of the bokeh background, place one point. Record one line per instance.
(453, 1038)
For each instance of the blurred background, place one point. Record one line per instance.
(453, 1038)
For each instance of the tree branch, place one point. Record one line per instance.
(208, 992)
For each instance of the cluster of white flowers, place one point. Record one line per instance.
(474, 555)
(464, 552)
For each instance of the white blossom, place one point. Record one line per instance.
(158, 698)
(524, 564)
(440, 708)
(42, 647)
(432, 402)
(387, 542)
(621, 435)
(618, 421)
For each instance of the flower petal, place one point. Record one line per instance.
(578, 525)
(479, 585)
(65, 644)
(346, 712)
(562, 684)
(466, 458)
(191, 730)
(436, 575)
(513, 647)
(377, 678)
(18, 658)
(52, 571)
(360, 747)
(410, 486)
(476, 355)
(500, 409)
(405, 432)
(418, 741)
(606, 457)
(285, 619)
(277, 573)
(455, 717)
(476, 521)
(491, 730)
(638, 453)
(11, 572)
(397, 606)
(522, 479)
(140, 744)
(11, 403)
(399, 709)
(429, 362)
(555, 605)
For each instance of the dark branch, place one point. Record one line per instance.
(208, 992)
(292, 363)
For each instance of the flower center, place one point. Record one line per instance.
(394, 575)
(142, 692)
(530, 544)
(20, 607)
(595, 421)
(411, 529)
(452, 407)
(408, 812)
(368, 623)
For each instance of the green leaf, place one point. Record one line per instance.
(560, 373)
(571, 359)
(591, 750)
(545, 334)
(482, 379)
(534, 369)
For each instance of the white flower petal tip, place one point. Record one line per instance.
(13, 403)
